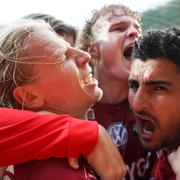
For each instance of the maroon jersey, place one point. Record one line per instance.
(51, 169)
(120, 124)
(162, 169)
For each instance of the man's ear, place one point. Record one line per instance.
(27, 99)
(94, 50)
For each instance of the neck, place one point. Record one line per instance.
(114, 90)
(78, 113)
(114, 94)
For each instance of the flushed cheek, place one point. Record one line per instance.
(128, 66)
(131, 99)
(161, 130)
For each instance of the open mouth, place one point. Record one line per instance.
(148, 127)
(128, 53)
(89, 81)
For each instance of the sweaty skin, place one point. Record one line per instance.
(153, 96)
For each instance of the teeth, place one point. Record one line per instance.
(147, 131)
(88, 79)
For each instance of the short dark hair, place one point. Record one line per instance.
(164, 44)
(58, 26)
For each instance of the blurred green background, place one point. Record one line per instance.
(167, 15)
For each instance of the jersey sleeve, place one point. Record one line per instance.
(25, 135)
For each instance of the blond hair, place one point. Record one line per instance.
(14, 55)
(89, 33)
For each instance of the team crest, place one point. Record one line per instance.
(119, 134)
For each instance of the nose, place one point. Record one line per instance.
(139, 100)
(82, 58)
(133, 32)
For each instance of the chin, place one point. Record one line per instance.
(96, 95)
(150, 146)
(96, 99)
(99, 95)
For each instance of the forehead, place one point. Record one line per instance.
(117, 15)
(153, 70)
(68, 37)
(45, 42)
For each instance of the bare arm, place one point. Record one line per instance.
(106, 159)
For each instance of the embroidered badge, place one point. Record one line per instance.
(118, 133)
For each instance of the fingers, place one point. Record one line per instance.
(73, 162)
(2, 169)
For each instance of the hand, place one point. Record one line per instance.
(106, 159)
(73, 162)
(174, 160)
(2, 169)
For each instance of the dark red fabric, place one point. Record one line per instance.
(138, 160)
(51, 169)
(26, 135)
(162, 170)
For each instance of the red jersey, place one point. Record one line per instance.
(120, 124)
(25, 136)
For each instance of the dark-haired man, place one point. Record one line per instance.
(154, 94)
